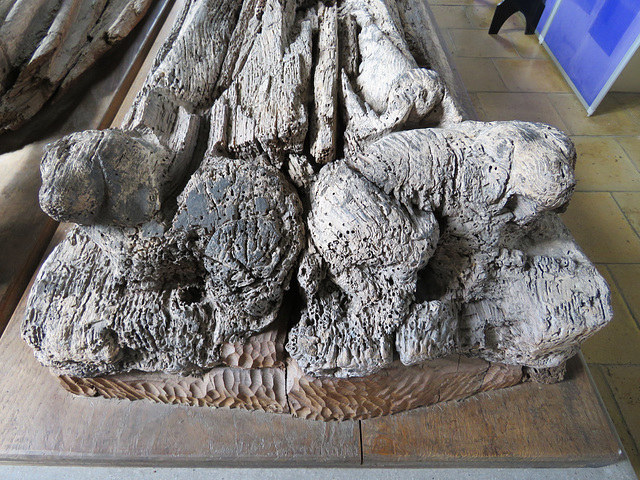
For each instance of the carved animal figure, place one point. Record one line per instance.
(282, 137)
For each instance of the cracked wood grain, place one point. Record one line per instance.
(296, 167)
(45, 46)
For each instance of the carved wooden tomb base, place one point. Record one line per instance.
(295, 216)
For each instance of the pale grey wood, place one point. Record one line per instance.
(24, 229)
(411, 232)
(325, 87)
(430, 51)
(42, 422)
(47, 45)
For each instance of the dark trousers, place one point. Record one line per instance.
(532, 10)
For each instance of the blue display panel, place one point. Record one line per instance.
(548, 8)
(590, 39)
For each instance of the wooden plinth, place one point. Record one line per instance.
(287, 389)
(529, 424)
(563, 424)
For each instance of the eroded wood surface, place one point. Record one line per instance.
(90, 431)
(249, 445)
(561, 424)
(25, 230)
(42, 422)
(412, 234)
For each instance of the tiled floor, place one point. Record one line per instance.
(510, 77)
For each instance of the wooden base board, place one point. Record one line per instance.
(528, 424)
(289, 390)
(539, 425)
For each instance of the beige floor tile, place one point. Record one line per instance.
(602, 231)
(630, 204)
(477, 43)
(625, 385)
(604, 166)
(616, 416)
(532, 107)
(627, 278)
(631, 145)
(629, 101)
(617, 343)
(481, 16)
(609, 119)
(480, 115)
(526, 45)
(479, 74)
(530, 75)
(448, 43)
(450, 16)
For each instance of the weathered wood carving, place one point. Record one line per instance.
(45, 45)
(295, 217)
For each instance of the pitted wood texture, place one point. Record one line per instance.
(48, 424)
(562, 424)
(26, 230)
(53, 426)
(257, 151)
